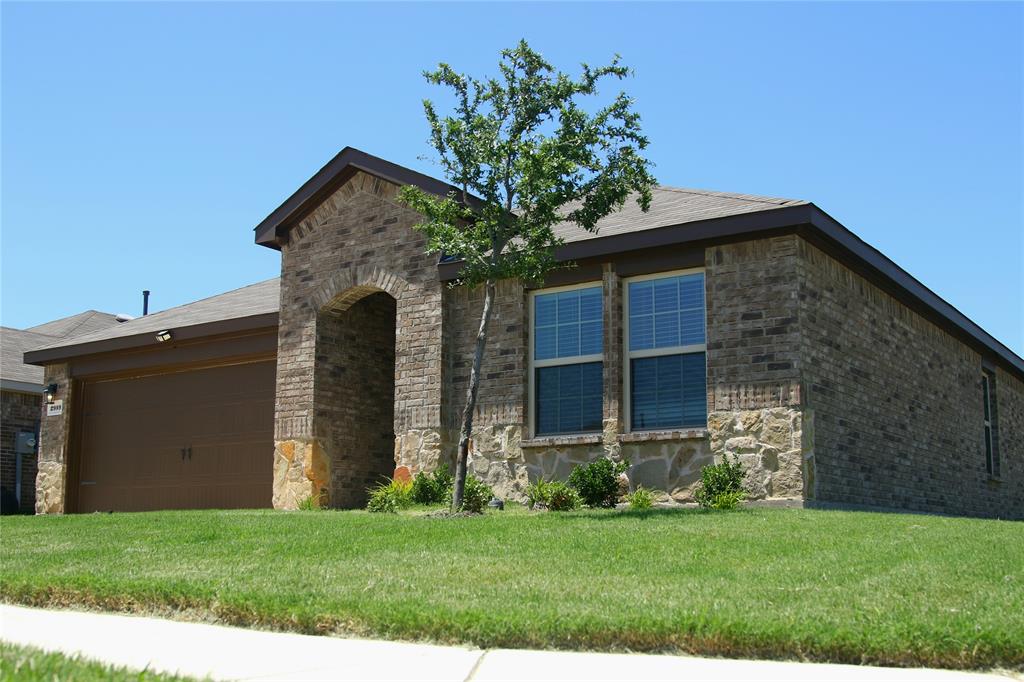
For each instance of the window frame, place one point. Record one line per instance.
(989, 447)
(629, 354)
(533, 364)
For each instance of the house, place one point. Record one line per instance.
(21, 390)
(715, 324)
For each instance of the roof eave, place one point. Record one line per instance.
(325, 181)
(20, 386)
(45, 356)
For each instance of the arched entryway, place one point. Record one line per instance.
(354, 391)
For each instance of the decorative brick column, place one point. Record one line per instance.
(54, 435)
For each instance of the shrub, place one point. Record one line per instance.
(390, 496)
(435, 488)
(554, 495)
(562, 497)
(721, 485)
(641, 498)
(597, 482)
(538, 493)
(476, 495)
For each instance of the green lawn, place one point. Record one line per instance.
(26, 664)
(781, 583)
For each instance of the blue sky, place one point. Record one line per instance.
(141, 143)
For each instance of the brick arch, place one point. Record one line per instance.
(349, 286)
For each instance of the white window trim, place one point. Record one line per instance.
(532, 364)
(629, 354)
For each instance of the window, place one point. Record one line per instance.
(566, 389)
(665, 341)
(989, 412)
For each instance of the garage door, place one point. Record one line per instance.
(186, 440)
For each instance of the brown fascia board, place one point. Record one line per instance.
(326, 180)
(713, 230)
(47, 356)
(820, 229)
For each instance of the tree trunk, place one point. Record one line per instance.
(474, 385)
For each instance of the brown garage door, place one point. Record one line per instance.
(186, 440)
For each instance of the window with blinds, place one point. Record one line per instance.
(567, 360)
(665, 338)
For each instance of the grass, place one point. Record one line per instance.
(851, 587)
(27, 664)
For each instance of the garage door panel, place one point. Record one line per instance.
(199, 439)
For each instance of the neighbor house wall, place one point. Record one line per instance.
(19, 412)
(897, 403)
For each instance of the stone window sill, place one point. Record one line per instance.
(553, 441)
(647, 436)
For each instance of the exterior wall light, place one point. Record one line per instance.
(50, 392)
(165, 335)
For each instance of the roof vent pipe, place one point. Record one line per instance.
(145, 301)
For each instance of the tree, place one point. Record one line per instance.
(527, 155)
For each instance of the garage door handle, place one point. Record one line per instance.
(190, 453)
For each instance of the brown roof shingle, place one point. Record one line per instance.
(673, 206)
(254, 300)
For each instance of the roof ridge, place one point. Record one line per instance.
(754, 198)
(86, 315)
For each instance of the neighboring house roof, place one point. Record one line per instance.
(75, 325)
(249, 307)
(15, 374)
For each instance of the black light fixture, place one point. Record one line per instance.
(164, 335)
(50, 392)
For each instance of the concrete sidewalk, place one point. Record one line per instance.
(225, 653)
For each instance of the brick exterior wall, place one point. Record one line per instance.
(756, 418)
(753, 334)
(19, 412)
(897, 403)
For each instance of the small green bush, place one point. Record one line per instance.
(390, 496)
(721, 485)
(598, 481)
(641, 498)
(554, 495)
(476, 495)
(434, 488)
(562, 497)
(538, 493)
